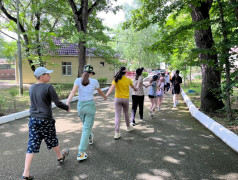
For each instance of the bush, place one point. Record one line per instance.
(102, 81)
(144, 74)
(3, 103)
(198, 77)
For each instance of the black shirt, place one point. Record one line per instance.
(41, 96)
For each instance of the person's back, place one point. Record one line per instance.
(122, 87)
(41, 96)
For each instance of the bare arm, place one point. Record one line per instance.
(101, 93)
(110, 90)
(71, 95)
(133, 87)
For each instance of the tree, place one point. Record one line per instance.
(38, 20)
(81, 14)
(153, 12)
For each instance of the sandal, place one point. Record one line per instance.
(65, 153)
(27, 178)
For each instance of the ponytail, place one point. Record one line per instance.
(120, 73)
(85, 79)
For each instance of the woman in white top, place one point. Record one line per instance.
(137, 96)
(86, 106)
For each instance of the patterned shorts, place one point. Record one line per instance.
(40, 129)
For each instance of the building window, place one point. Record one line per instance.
(66, 68)
(102, 64)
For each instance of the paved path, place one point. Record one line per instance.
(172, 145)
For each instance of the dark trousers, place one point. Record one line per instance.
(137, 100)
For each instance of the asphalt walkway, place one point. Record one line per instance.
(171, 145)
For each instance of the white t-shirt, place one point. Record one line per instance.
(86, 93)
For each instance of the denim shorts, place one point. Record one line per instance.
(40, 129)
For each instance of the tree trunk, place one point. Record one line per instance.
(225, 53)
(82, 58)
(81, 21)
(211, 77)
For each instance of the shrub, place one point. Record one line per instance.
(13, 92)
(3, 103)
(102, 81)
(144, 74)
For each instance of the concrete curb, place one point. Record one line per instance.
(227, 136)
(22, 114)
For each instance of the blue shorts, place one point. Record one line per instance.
(40, 129)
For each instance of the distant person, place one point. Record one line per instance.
(42, 123)
(176, 87)
(137, 96)
(160, 92)
(152, 94)
(85, 86)
(121, 84)
(167, 82)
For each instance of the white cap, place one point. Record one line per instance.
(41, 70)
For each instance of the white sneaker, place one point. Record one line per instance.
(129, 128)
(117, 136)
(150, 114)
(82, 156)
(174, 106)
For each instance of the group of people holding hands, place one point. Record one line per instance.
(42, 124)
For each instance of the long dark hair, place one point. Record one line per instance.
(138, 73)
(85, 79)
(120, 73)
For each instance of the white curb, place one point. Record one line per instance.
(227, 136)
(19, 115)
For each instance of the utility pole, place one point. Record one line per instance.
(19, 53)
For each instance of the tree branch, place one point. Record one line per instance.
(90, 10)
(7, 35)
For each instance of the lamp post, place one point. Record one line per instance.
(19, 53)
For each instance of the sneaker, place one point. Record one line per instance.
(158, 108)
(82, 156)
(117, 135)
(132, 124)
(150, 114)
(141, 119)
(174, 106)
(90, 141)
(129, 128)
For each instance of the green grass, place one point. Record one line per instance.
(194, 96)
(20, 103)
(220, 115)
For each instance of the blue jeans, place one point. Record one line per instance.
(86, 112)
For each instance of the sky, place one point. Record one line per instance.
(111, 19)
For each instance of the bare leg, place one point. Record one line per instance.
(58, 152)
(28, 160)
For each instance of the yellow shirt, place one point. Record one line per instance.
(122, 87)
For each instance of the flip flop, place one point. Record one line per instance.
(65, 153)
(27, 178)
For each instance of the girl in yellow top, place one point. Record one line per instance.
(121, 84)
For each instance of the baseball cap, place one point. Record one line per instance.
(41, 70)
(89, 69)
